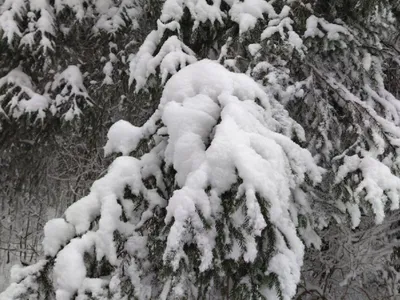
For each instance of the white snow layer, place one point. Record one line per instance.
(57, 233)
(122, 137)
(214, 133)
(332, 31)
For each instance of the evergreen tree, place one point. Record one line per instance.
(275, 120)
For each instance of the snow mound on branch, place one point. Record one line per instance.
(23, 98)
(378, 183)
(23, 279)
(16, 77)
(172, 56)
(114, 16)
(73, 93)
(331, 30)
(57, 233)
(9, 10)
(122, 137)
(245, 13)
(200, 10)
(72, 76)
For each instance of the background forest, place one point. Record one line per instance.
(259, 149)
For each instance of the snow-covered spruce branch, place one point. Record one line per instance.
(18, 96)
(34, 24)
(236, 200)
(70, 94)
(64, 96)
(376, 174)
(386, 128)
(177, 152)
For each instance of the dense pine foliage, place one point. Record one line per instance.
(252, 149)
